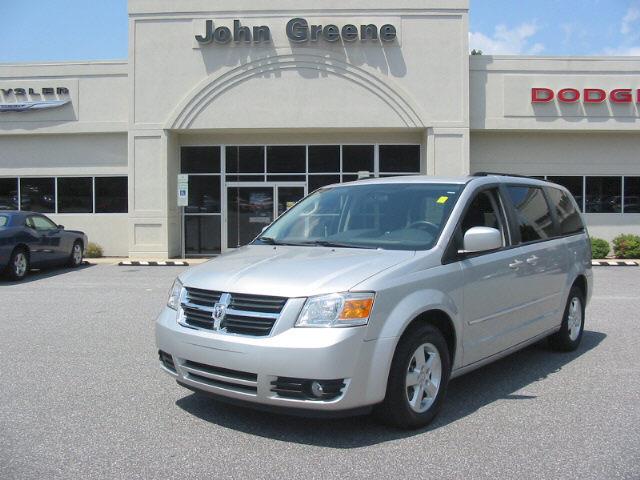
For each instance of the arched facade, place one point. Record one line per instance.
(381, 88)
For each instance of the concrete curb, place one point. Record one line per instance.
(614, 263)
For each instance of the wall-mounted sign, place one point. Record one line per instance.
(298, 30)
(587, 95)
(27, 99)
(183, 190)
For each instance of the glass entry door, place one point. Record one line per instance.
(250, 208)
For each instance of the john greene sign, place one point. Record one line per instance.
(298, 31)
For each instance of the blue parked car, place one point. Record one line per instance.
(29, 239)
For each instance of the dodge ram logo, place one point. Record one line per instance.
(220, 310)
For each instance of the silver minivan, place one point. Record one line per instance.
(372, 295)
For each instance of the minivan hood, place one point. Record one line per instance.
(286, 271)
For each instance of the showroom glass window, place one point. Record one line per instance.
(574, 184)
(284, 160)
(533, 214)
(357, 158)
(75, 195)
(111, 195)
(324, 165)
(203, 215)
(603, 195)
(399, 159)
(631, 194)
(38, 194)
(8, 194)
(245, 163)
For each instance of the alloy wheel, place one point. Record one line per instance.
(77, 254)
(574, 319)
(20, 264)
(424, 375)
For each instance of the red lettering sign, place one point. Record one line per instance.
(594, 95)
(588, 95)
(541, 95)
(621, 95)
(569, 95)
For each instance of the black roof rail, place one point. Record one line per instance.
(500, 174)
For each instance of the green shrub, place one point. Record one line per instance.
(600, 248)
(626, 246)
(93, 250)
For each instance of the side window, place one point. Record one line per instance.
(42, 223)
(485, 211)
(532, 213)
(568, 217)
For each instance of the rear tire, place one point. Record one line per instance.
(568, 338)
(77, 254)
(418, 379)
(18, 267)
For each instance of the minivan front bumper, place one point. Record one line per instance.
(244, 368)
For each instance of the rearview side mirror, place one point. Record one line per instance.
(60, 227)
(481, 239)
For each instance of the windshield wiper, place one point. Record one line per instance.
(269, 240)
(328, 243)
(273, 241)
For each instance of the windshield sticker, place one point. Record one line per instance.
(442, 200)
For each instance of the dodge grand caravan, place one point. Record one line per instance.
(374, 294)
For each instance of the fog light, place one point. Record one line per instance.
(316, 389)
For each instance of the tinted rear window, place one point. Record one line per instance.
(533, 215)
(568, 216)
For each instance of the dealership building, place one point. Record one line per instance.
(227, 112)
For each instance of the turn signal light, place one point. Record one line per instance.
(356, 308)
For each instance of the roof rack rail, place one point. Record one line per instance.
(499, 174)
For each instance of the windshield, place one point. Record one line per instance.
(388, 216)
(4, 220)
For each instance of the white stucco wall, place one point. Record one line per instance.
(98, 93)
(69, 154)
(501, 86)
(556, 153)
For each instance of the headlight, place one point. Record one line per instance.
(336, 310)
(174, 295)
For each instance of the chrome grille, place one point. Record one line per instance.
(252, 315)
(257, 304)
(205, 298)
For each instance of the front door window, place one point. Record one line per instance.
(249, 210)
(288, 197)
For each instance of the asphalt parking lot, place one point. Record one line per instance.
(82, 396)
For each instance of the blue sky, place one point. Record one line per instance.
(49, 30)
(556, 27)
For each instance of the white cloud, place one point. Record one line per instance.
(505, 41)
(623, 51)
(629, 31)
(632, 16)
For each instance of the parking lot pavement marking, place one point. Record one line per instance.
(153, 264)
(610, 263)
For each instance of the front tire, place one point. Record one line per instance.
(568, 338)
(77, 253)
(18, 265)
(418, 379)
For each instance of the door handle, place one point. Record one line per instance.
(516, 265)
(533, 260)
